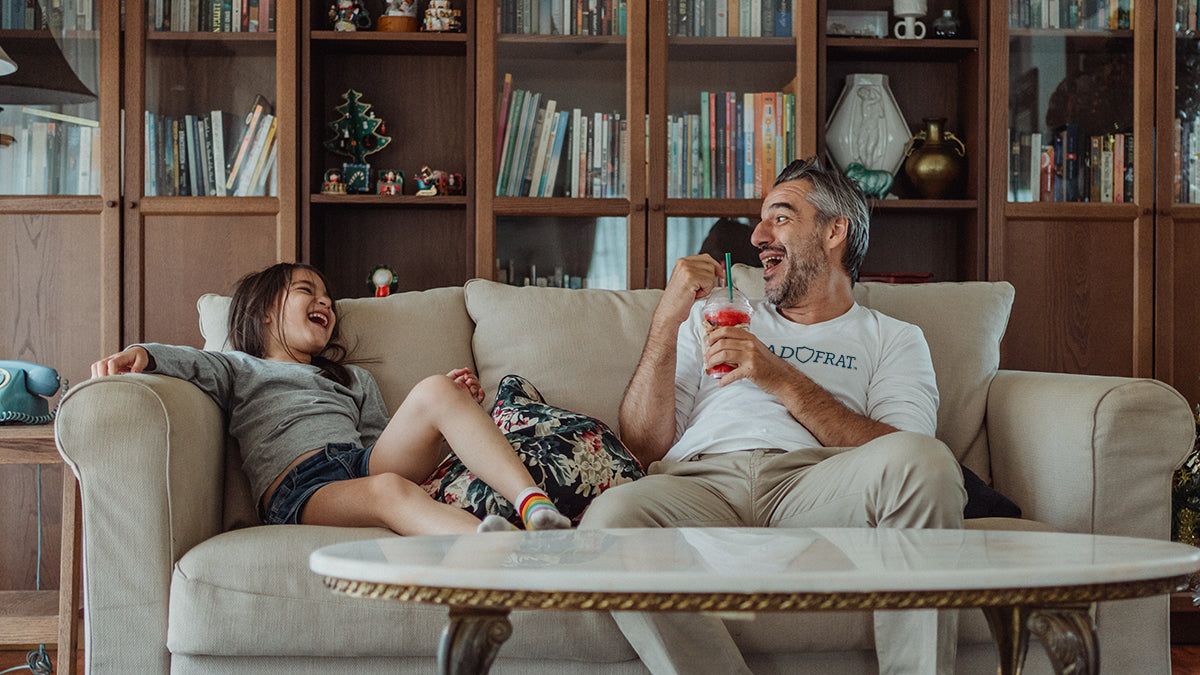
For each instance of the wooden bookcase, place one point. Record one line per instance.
(1084, 272)
(178, 247)
(423, 86)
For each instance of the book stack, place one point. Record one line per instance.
(51, 154)
(1072, 14)
(563, 17)
(29, 15)
(545, 149)
(203, 155)
(1186, 159)
(730, 18)
(212, 16)
(1065, 167)
(734, 146)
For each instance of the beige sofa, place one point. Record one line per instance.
(179, 577)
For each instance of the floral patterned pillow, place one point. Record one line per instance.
(571, 456)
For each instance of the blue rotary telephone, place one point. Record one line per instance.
(22, 388)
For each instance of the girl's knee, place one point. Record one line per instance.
(435, 391)
(391, 488)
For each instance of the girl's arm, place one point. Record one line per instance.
(134, 359)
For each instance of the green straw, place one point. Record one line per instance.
(729, 274)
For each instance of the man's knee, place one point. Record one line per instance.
(922, 476)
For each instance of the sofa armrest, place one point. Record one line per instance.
(1087, 453)
(149, 454)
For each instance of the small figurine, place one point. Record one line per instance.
(874, 184)
(390, 182)
(437, 182)
(333, 184)
(349, 16)
(400, 15)
(439, 17)
(383, 279)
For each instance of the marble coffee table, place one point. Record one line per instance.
(1027, 583)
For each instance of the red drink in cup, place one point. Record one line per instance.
(722, 310)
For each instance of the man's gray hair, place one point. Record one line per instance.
(834, 194)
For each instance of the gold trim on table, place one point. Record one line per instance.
(759, 602)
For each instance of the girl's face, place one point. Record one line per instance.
(300, 323)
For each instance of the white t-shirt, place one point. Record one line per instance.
(876, 366)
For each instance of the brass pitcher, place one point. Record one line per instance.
(935, 160)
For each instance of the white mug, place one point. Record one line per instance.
(909, 29)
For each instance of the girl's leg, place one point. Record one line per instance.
(436, 408)
(385, 500)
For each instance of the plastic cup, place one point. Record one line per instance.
(722, 310)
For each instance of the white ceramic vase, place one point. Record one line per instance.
(866, 125)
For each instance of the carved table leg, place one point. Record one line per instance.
(1069, 636)
(1067, 633)
(471, 640)
(1008, 630)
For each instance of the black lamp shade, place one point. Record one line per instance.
(43, 75)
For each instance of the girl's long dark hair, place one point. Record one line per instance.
(255, 297)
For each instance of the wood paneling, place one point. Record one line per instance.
(186, 256)
(1075, 307)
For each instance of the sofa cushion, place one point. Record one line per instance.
(250, 592)
(583, 364)
(401, 338)
(963, 323)
(571, 456)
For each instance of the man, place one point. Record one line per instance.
(826, 420)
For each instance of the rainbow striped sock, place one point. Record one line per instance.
(538, 512)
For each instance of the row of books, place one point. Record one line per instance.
(50, 154)
(215, 16)
(730, 18)
(733, 147)
(562, 17)
(1071, 14)
(1186, 159)
(33, 15)
(1065, 167)
(198, 155)
(546, 150)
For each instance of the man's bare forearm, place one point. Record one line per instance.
(647, 414)
(833, 424)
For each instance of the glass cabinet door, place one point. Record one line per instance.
(728, 126)
(1177, 231)
(565, 144)
(49, 106)
(1071, 102)
(210, 136)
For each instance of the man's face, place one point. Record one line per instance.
(790, 243)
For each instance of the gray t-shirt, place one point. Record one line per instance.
(278, 411)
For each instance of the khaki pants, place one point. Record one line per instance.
(899, 480)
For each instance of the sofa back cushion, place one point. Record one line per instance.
(963, 324)
(578, 347)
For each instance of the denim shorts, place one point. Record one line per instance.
(338, 461)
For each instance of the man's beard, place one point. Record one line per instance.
(801, 268)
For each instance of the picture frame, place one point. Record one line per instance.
(856, 23)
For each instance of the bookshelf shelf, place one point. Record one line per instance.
(224, 206)
(701, 49)
(209, 36)
(399, 201)
(843, 48)
(560, 206)
(560, 47)
(368, 43)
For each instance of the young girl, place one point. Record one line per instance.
(315, 436)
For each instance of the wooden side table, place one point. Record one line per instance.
(45, 617)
